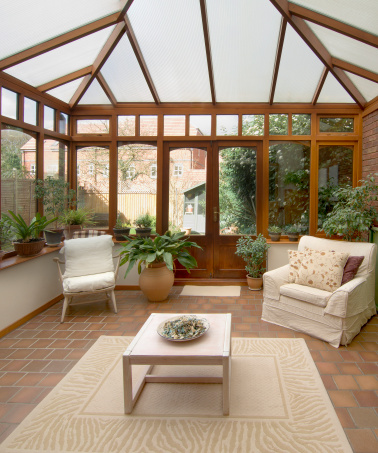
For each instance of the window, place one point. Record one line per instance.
(200, 125)
(32, 169)
(49, 118)
(301, 124)
(153, 171)
(91, 169)
(336, 125)
(178, 170)
(55, 159)
(253, 125)
(126, 125)
(9, 103)
(63, 123)
(174, 125)
(227, 124)
(278, 124)
(148, 125)
(90, 126)
(30, 111)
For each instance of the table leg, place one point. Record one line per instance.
(226, 384)
(127, 384)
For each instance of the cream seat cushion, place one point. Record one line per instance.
(308, 294)
(88, 282)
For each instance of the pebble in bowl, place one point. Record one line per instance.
(183, 328)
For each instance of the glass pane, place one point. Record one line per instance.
(301, 124)
(278, 124)
(92, 126)
(30, 111)
(93, 183)
(333, 92)
(335, 170)
(66, 91)
(126, 125)
(136, 182)
(367, 88)
(253, 125)
(199, 124)
(187, 189)
(227, 124)
(18, 173)
(63, 123)
(49, 118)
(94, 95)
(9, 103)
(174, 125)
(174, 52)
(237, 190)
(336, 124)
(55, 159)
(148, 125)
(289, 180)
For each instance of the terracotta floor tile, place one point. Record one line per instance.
(6, 393)
(369, 356)
(368, 346)
(349, 368)
(344, 417)
(350, 356)
(331, 356)
(362, 440)
(15, 365)
(342, 398)
(327, 368)
(51, 379)
(26, 395)
(368, 368)
(10, 378)
(31, 379)
(35, 365)
(367, 382)
(328, 382)
(366, 398)
(344, 382)
(364, 417)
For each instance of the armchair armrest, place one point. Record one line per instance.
(348, 300)
(274, 279)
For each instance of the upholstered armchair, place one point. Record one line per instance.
(293, 298)
(89, 269)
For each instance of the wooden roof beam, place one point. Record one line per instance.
(205, 25)
(318, 48)
(141, 61)
(106, 88)
(281, 39)
(108, 48)
(320, 86)
(65, 79)
(333, 24)
(355, 69)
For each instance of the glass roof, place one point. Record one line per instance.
(168, 60)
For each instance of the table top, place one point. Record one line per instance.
(215, 342)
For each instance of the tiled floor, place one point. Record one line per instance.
(35, 357)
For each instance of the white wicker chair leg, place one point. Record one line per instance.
(67, 300)
(113, 299)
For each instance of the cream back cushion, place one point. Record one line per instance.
(322, 269)
(88, 256)
(295, 261)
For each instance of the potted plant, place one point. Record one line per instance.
(120, 230)
(6, 237)
(253, 251)
(56, 197)
(28, 242)
(292, 232)
(158, 256)
(144, 224)
(75, 219)
(274, 232)
(353, 213)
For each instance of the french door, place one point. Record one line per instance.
(210, 190)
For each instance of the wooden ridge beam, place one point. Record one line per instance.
(281, 39)
(320, 51)
(141, 61)
(205, 25)
(108, 48)
(65, 79)
(106, 88)
(355, 69)
(333, 24)
(320, 86)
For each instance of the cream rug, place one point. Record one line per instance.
(278, 404)
(211, 291)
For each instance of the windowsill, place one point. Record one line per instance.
(14, 260)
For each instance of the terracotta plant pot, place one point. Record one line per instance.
(254, 284)
(156, 281)
(293, 237)
(275, 237)
(26, 249)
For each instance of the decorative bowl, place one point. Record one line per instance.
(183, 328)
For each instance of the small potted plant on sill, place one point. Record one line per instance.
(292, 232)
(158, 256)
(274, 232)
(75, 219)
(28, 242)
(253, 251)
(144, 224)
(121, 230)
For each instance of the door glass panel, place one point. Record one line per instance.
(237, 190)
(187, 189)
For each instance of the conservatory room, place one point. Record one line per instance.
(189, 226)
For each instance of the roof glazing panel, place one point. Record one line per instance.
(66, 91)
(94, 95)
(170, 36)
(367, 88)
(243, 39)
(61, 61)
(332, 91)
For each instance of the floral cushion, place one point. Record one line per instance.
(295, 261)
(322, 269)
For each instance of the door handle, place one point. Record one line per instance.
(215, 214)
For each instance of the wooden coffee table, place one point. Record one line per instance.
(149, 348)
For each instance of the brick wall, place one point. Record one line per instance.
(370, 146)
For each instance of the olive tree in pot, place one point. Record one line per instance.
(157, 256)
(253, 251)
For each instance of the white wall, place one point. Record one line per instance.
(278, 254)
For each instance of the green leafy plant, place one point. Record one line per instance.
(80, 216)
(274, 229)
(26, 232)
(353, 213)
(6, 235)
(253, 251)
(145, 221)
(292, 229)
(162, 249)
(120, 224)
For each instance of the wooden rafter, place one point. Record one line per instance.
(141, 61)
(355, 69)
(320, 51)
(320, 85)
(106, 88)
(124, 10)
(59, 41)
(108, 48)
(333, 24)
(208, 50)
(65, 79)
(281, 39)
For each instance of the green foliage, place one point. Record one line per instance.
(353, 212)
(6, 234)
(162, 249)
(253, 251)
(23, 231)
(145, 221)
(292, 229)
(274, 229)
(80, 216)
